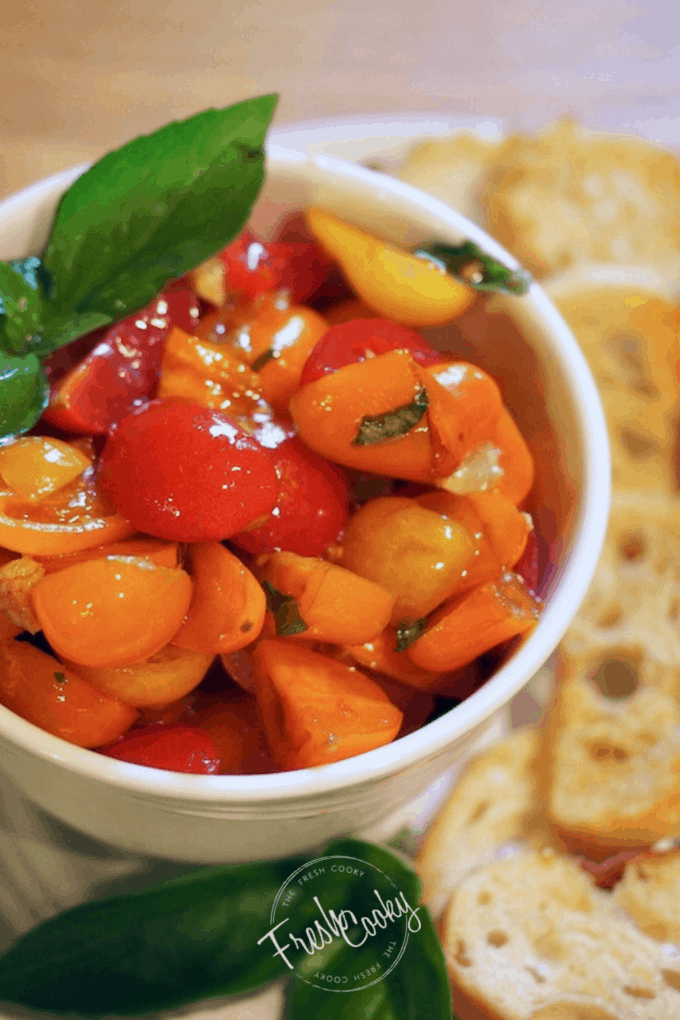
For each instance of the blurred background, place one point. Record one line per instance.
(82, 76)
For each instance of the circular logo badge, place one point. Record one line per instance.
(340, 923)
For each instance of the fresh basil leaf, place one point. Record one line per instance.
(285, 611)
(21, 305)
(392, 424)
(417, 986)
(24, 393)
(151, 211)
(407, 633)
(263, 359)
(468, 262)
(187, 939)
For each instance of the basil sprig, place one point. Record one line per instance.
(201, 936)
(285, 611)
(408, 632)
(393, 424)
(487, 273)
(144, 214)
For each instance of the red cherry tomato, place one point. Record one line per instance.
(313, 499)
(174, 748)
(360, 339)
(122, 369)
(186, 473)
(255, 267)
(534, 565)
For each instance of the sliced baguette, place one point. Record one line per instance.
(611, 766)
(649, 892)
(531, 938)
(492, 805)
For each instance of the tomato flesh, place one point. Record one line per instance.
(123, 368)
(186, 473)
(174, 748)
(360, 339)
(254, 267)
(312, 505)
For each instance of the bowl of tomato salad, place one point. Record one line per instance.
(285, 541)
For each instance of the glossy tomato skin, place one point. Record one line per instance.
(313, 502)
(254, 267)
(122, 369)
(359, 339)
(186, 473)
(176, 748)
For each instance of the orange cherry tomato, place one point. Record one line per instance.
(40, 689)
(111, 612)
(160, 680)
(228, 605)
(35, 466)
(74, 517)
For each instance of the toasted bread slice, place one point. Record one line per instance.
(452, 169)
(631, 340)
(530, 938)
(611, 774)
(627, 628)
(649, 892)
(492, 805)
(568, 195)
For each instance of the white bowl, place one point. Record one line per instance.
(214, 819)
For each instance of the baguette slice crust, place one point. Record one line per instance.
(531, 938)
(493, 804)
(568, 195)
(649, 892)
(611, 765)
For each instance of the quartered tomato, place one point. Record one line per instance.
(360, 339)
(174, 748)
(254, 267)
(186, 473)
(312, 504)
(123, 368)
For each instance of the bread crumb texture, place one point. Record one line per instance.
(650, 893)
(530, 938)
(491, 806)
(569, 195)
(612, 764)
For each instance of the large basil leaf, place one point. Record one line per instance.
(24, 393)
(20, 305)
(184, 940)
(152, 210)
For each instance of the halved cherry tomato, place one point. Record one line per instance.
(123, 368)
(359, 339)
(313, 500)
(76, 516)
(186, 473)
(173, 748)
(234, 727)
(254, 267)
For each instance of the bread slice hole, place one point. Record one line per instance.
(538, 978)
(632, 547)
(639, 447)
(672, 979)
(460, 954)
(638, 992)
(628, 349)
(616, 678)
(484, 898)
(497, 938)
(479, 812)
(673, 610)
(611, 618)
(607, 753)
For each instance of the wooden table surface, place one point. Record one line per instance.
(81, 76)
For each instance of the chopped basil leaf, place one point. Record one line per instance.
(380, 428)
(285, 611)
(263, 359)
(407, 633)
(485, 273)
